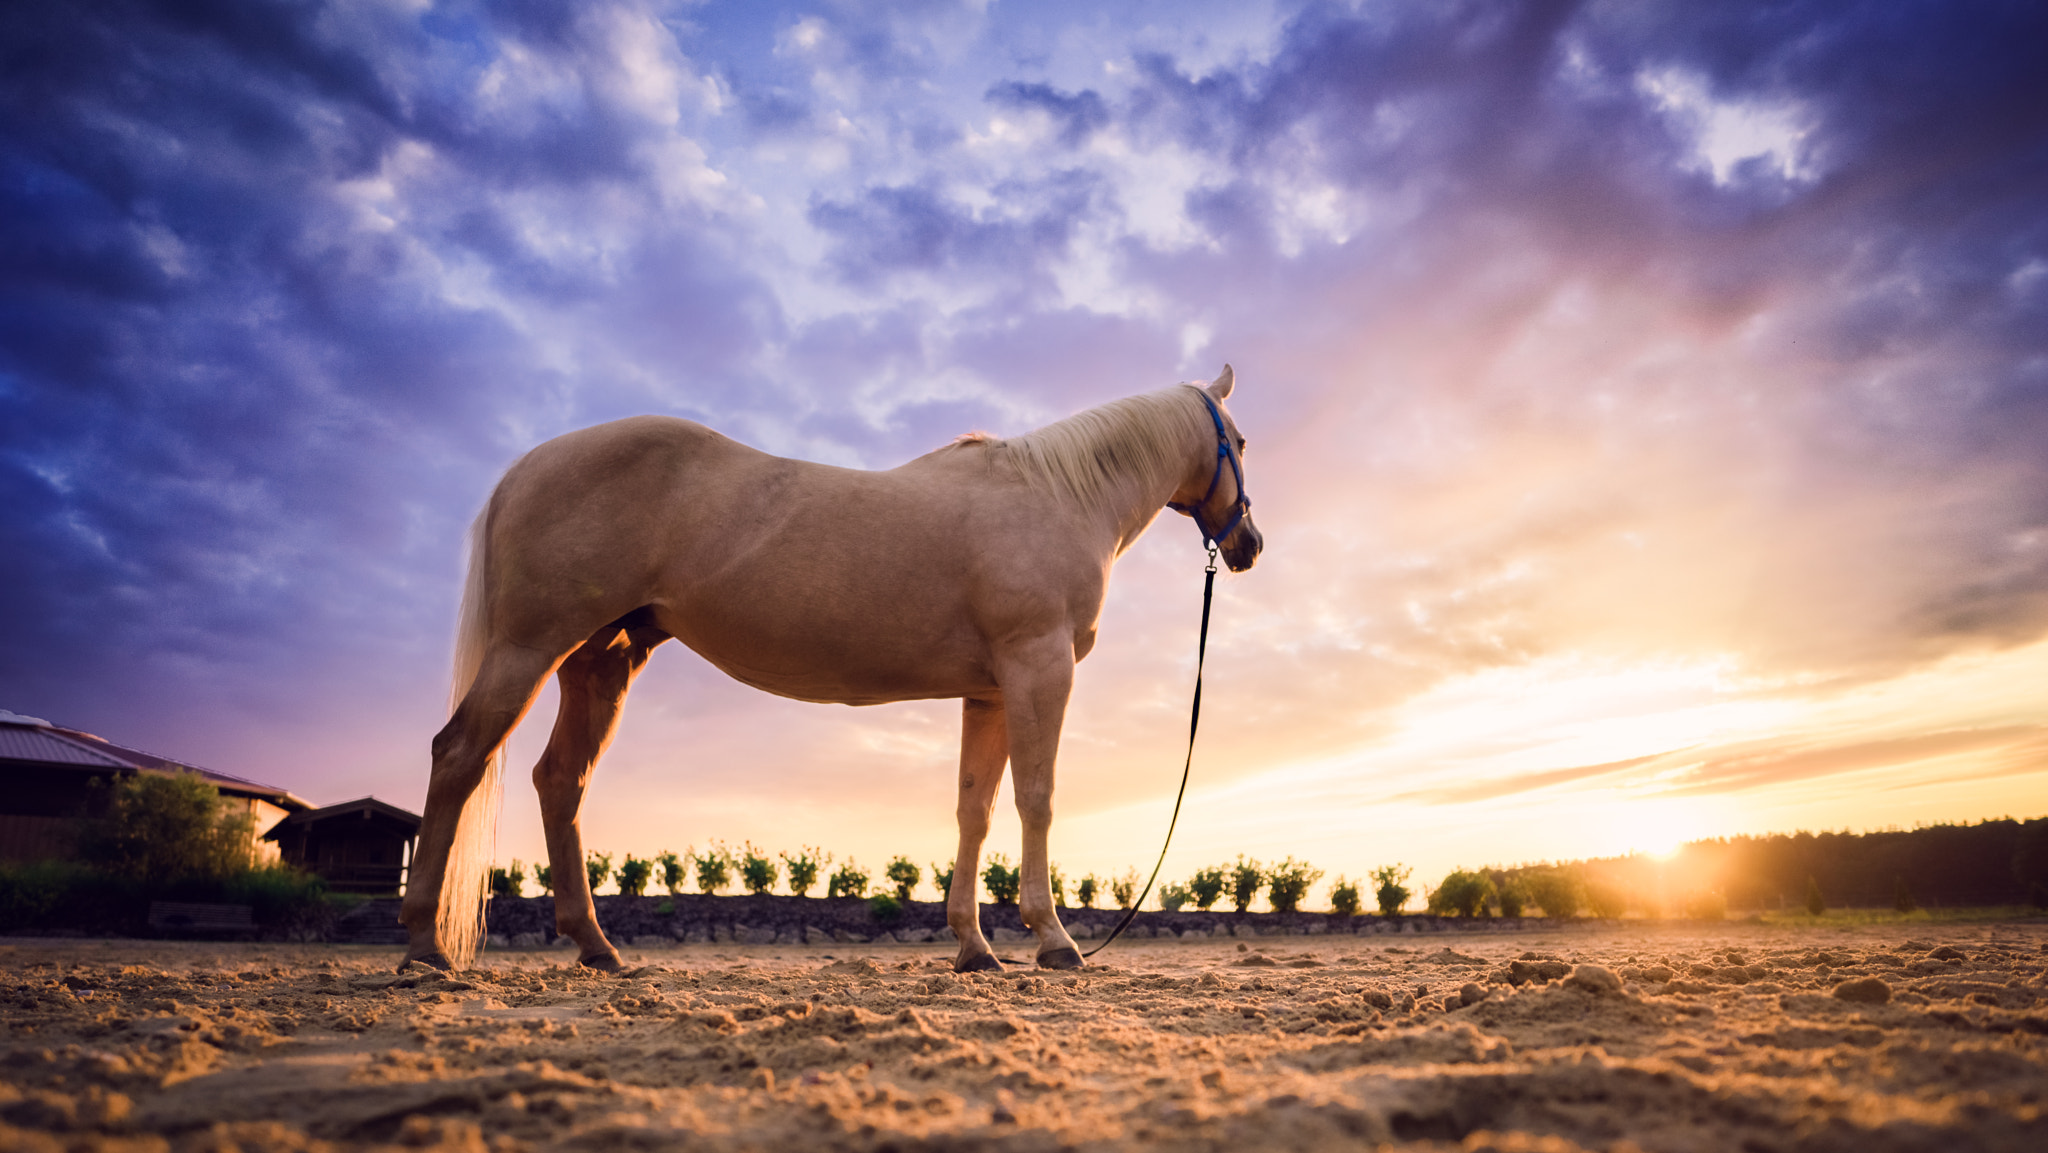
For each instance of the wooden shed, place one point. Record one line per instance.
(360, 846)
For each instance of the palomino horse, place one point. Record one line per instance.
(976, 571)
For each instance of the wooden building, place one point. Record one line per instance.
(360, 846)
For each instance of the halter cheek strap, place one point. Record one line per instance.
(1224, 455)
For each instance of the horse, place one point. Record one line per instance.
(977, 571)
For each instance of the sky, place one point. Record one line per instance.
(1648, 403)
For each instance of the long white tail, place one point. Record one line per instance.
(460, 917)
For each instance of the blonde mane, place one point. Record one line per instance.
(1087, 457)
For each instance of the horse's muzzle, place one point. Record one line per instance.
(1240, 550)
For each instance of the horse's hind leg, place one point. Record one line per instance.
(594, 681)
(984, 746)
(504, 688)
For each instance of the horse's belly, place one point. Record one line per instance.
(828, 662)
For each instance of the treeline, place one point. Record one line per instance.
(1990, 863)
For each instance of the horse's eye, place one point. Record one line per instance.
(1240, 446)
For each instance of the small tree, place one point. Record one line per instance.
(544, 876)
(1344, 897)
(1173, 897)
(597, 866)
(1288, 882)
(757, 872)
(634, 874)
(672, 873)
(1059, 885)
(1902, 897)
(1513, 900)
(1607, 901)
(1388, 890)
(1246, 879)
(508, 882)
(1705, 905)
(713, 867)
(1124, 888)
(904, 875)
(1207, 886)
(943, 878)
(1556, 891)
(1001, 879)
(803, 868)
(850, 881)
(1086, 889)
(171, 826)
(1463, 893)
(1815, 903)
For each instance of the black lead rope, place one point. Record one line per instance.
(1194, 723)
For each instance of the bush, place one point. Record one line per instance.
(1513, 898)
(1124, 888)
(757, 872)
(1001, 879)
(1344, 897)
(164, 827)
(508, 882)
(544, 876)
(1388, 890)
(1815, 903)
(1555, 891)
(1174, 897)
(1288, 882)
(1059, 885)
(943, 878)
(904, 875)
(32, 892)
(1463, 893)
(1246, 879)
(634, 875)
(1085, 890)
(803, 868)
(1607, 901)
(597, 866)
(884, 907)
(849, 881)
(1705, 905)
(713, 867)
(673, 874)
(1207, 886)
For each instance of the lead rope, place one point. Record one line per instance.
(1194, 723)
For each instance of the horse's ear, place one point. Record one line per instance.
(1221, 386)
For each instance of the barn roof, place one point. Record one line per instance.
(361, 808)
(36, 741)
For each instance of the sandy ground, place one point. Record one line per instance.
(1738, 1037)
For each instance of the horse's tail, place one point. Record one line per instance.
(459, 920)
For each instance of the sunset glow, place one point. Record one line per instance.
(1647, 408)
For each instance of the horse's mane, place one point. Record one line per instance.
(1087, 457)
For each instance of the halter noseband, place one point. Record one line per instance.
(1223, 455)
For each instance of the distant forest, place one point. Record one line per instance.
(2002, 862)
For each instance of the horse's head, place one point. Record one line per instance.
(1214, 493)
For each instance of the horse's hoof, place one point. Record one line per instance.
(436, 961)
(979, 963)
(1064, 957)
(602, 962)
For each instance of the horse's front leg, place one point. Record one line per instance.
(1036, 684)
(984, 746)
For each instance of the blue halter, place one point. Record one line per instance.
(1223, 454)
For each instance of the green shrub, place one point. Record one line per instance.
(1388, 890)
(803, 868)
(667, 907)
(1174, 897)
(757, 872)
(1124, 888)
(1085, 890)
(1556, 891)
(1605, 900)
(904, 875)
(31, 892)
(1815, 903)
(634, 874)
(1513, 901)
(544, 876)
(1206, 886)
(849, 881)
(673, 875)
(713, 867)
(1463, 893)
(1246, 879)
(1059, 885)
(884, 907)
(1705, 905)
(943, 878)
(597, 866)
(1001, 879)
(163, 827)
(508, 882)
(1288, 882)
(1344, 897)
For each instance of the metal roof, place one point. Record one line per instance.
(30, 743)
(47, 744)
